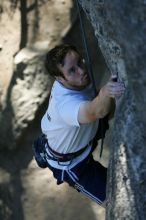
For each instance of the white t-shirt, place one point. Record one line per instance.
(60, 122)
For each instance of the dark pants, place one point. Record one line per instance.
(87, 177)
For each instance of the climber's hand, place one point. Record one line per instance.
(113, 88)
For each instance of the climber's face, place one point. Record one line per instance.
(74, 72)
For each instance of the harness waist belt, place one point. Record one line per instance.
(65, 157)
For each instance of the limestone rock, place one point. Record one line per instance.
(27, 91)
(120, 28)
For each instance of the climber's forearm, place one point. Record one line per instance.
(101, 105)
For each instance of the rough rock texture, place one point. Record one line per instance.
(27, 91)
(120, 27)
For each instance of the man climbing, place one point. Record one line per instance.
(71, 122)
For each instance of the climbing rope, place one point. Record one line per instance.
(89, 65)
(88, 59)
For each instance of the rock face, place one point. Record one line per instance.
(120, 28)
(27, 91)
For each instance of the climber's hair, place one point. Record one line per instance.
(56, 56)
